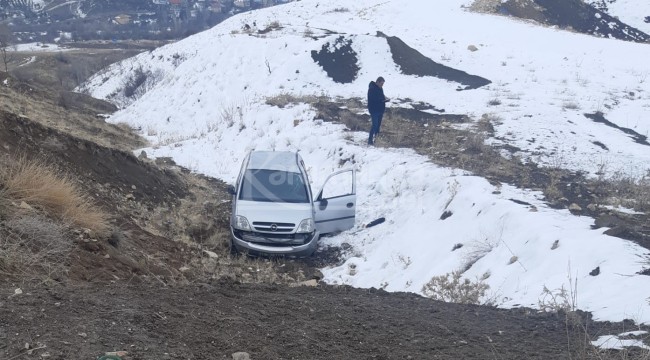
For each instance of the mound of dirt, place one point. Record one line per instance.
(340, 62)
(412, 62)
(574, 15)
(114, 170)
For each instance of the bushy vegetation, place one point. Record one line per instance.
(451, 288)
(33, 184)
(133, 83)
(40, 208)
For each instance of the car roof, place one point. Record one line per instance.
(274, 160)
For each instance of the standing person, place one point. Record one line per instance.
(376, 107)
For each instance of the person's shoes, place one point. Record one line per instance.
(370, 143)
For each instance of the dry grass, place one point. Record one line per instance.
(34, 247)
(285, 99)
(552, 191)
(41, 186)
(40, 92)
(627, 192)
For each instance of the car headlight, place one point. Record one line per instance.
(306, 226)
(241, 223)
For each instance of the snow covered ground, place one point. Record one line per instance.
(631, 12)
(36, 47)
(205, 106)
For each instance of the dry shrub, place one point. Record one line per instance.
(628, 192)
(476, 250)
(451, 288)
(475, 143)
(42, 186)
(33, 245)
(494, 102)
(308, 33)
(552, 190)
(281, 100)
(135, 81)
(274, 25)
(557, 300)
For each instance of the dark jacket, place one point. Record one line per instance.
(376, 99)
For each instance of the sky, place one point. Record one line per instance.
(207, 108)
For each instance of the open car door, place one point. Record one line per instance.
(336, 202)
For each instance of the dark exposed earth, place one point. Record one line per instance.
(215, 320)
(151, 291)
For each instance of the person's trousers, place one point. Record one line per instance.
(376, 125)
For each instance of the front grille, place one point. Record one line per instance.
(265, 226)
(273, 239)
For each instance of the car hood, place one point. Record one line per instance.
(274, 212)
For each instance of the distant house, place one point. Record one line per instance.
(261, 3)
(216, 6)
(122, 19)
(242, 3)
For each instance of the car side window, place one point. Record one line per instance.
(341, 184)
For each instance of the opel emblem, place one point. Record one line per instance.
(274, 227)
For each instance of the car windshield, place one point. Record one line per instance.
(273, 186)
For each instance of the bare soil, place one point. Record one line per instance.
(214, 320)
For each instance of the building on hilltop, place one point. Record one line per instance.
(242, 3)
(216, 6)
(122, 19)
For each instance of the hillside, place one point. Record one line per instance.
(475, 170)
(567, 149)
(203, 307)
(205, 304)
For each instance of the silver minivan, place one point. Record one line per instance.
(275, 212)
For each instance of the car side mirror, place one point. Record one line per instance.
(322, 204)
(231, 190)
